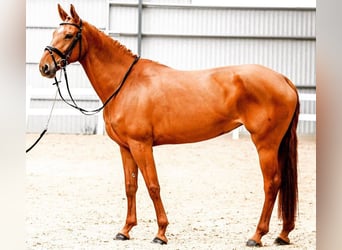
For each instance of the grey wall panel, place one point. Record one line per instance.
(36, 40)
(229, 22)
(123, 15)
(63, 124)
(293, 58)
(40, 13)
(76, 76)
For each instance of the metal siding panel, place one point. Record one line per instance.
(36, 40)
(34, 78)
(123, 19)
(288, 57)
(76, 77)
(41, 13)
(237, 22)
(63, 124)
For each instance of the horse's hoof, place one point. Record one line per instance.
(280, 241)
(156, 240)
(121, 236)
(253, 243)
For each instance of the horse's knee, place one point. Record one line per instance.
(131, 189)
(154, 191)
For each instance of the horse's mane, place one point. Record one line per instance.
(120, 47)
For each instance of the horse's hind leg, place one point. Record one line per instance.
(268, 157)
(131, 185)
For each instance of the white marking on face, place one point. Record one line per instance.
(60, 29)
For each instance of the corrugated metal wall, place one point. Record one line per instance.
(185, 36)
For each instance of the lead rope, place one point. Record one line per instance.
(46, 126)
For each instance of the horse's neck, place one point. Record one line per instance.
(105, 62)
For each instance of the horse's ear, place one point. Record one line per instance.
(63, 15)
(74, 14)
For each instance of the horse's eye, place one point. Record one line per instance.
(68, 36)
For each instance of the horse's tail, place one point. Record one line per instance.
(287, 155)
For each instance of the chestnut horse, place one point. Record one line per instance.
(150, 104)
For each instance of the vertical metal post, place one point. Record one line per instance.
(139, 26)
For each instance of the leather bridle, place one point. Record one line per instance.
(66, 55)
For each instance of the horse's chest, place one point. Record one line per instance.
(113, 131)
(115, 136)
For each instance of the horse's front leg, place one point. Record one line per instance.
(142, 153)
(131, 185)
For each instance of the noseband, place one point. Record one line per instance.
(65, 56)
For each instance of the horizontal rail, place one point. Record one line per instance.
(217, 36)
(249, 6)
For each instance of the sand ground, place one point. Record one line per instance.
(212, 192)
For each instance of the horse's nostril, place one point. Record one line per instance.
(45, 68)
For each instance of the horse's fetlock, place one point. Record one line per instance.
(163, 222)
(262, 230)
(131, 222)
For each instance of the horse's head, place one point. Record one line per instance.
(66, 44)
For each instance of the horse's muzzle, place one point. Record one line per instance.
(47, 70)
